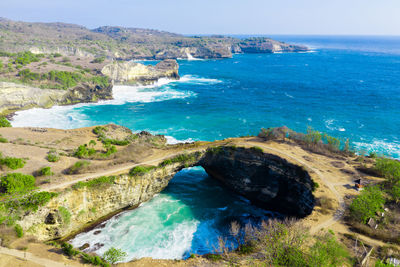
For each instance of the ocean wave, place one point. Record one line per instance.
(69, 117)
(198, 80)
(382, 147)
(172, 140)
(290, 96)
(331, 125)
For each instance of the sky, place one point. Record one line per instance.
(326, 17)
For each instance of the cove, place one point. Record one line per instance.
(187, 217)
(195, 209)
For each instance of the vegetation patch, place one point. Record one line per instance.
(19, 231)
(53, 157)
(288, 243)
(12, 163)
(140, 170)
(104, 180)
(4, 122)
(183, 158)
(17, 183)
(3, 140)
(100, 131)
(114, 255)
(78, 167)
(46, 171)
(65, 215)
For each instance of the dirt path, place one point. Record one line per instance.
(30, 258)
(114, 171)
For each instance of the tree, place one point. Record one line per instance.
(114, 255)
(4, 122)
(365, 206)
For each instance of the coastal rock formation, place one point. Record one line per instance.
(86, 205)
(267, 45)
(265, 179)
(127, 43)
(130, 72)
(17, 96)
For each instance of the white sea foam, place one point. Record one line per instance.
(190, 57)
(380, 146)
(290, 96)
(172, 141)
(68, 117)
(198, 80)
(152, 230)
(331, 124)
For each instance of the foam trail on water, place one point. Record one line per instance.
(172, 141)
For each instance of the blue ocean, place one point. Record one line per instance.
(348, 87)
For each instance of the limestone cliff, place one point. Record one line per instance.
(15, 96)
(87, 205)
(130, 72)
(266, 179)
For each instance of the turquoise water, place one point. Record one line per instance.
(347, 86)
(187, 217)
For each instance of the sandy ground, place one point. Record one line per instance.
(335, 177)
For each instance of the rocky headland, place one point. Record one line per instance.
(127, 43)
(130, 72)
(96, 172)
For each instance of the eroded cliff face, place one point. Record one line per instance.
(130, 72)
(15, 96)
(75, 208)
(265, 179)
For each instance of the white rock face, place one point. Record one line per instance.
(131, 72)
(17, 96)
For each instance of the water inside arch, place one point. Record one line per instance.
(187, 217)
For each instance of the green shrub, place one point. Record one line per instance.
(214, 257)
(181, 158)
(65, 215)
(53, 157)
(380, 263)
(367, 204)
(78, 166)
(99, 60)
(84, 152)
(389, 168)
(4, 122)
(315, 186)
(312, 136)
(34, 201)
(95, 260)
(3, 140)
(45, 171)
(19, 231)
(12, 163)
(327, 251)
(394, 192)
(104, 180)
(17, 183)
(114, 255)
(140, 169)
(69, 250)
(25, 58)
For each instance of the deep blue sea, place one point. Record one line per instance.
(348, 87)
